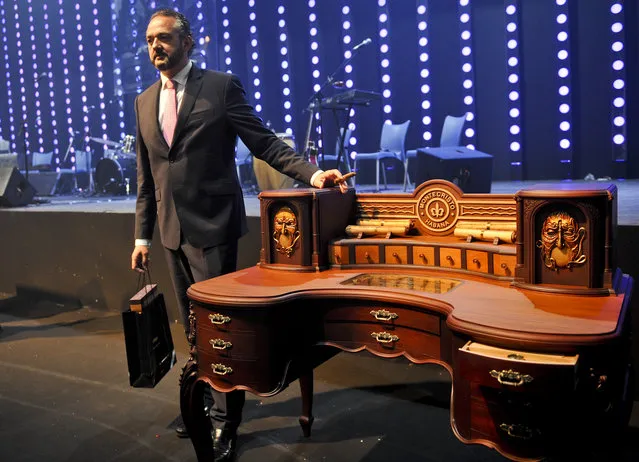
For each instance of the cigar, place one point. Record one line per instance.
(344, 178)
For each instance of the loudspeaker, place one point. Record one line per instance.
(469, 169)
(44, 183)
(15, 190)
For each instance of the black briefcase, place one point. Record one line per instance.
(150, 352)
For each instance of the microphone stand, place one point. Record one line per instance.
(314, 106)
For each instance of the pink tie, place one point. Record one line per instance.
(169, 119)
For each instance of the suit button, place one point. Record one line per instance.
(171, 161)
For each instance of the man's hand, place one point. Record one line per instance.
(140, 258)
(332, 178)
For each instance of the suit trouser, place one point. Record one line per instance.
(188, 265)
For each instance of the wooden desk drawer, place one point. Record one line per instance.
(450, 258)
(504, 265)
(516, 431)
(263, 375)
(423, 255)
(383, 341)
(388, 317)
(339, 255)
(477, 261)
(396, 255)
(217, 320)
(518, 371)
(238, 345)
(366, 254)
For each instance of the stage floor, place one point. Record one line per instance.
(64, 393)
(64, 397)
(627, 200)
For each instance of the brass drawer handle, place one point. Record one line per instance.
(517, 431)
(384, 315)
(423, 257)
(221, 369)
(337, 258)
(368, 257)
(477, 262)
(219, 319)
(397, 257)
(504, 266)
(450, 259)
(219, 344)
(511, 378)
(384, 337)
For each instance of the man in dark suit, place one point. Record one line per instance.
(187, 128)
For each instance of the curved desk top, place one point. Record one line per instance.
(474, 306)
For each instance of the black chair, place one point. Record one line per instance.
(450, 136)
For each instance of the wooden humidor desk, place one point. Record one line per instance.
(536, 366)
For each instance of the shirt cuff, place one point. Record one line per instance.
(319, 172)
(146, 242)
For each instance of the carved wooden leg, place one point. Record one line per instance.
(196, 422)
(306, 387)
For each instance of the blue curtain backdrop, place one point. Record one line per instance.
(76, 67)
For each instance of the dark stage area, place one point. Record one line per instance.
(64, 284)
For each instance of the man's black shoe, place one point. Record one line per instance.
(224, 442)
(180, 429)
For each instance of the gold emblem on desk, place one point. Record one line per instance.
(561, 242)
(285, 232)
(437, 210)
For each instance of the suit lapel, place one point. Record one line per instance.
(155, 103)
(193, 86)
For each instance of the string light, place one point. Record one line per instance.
(314, 44)
(255, 56)
(226, 37)
(284, 66)
(514, 89)
(348, 70)
(424, 71)
(468, 76)
(618, 100)
(564, 80)
(384, 63)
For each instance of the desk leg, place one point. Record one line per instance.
(196, 422)
(306, 387)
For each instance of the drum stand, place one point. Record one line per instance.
(86, 167)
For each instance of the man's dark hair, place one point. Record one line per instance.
(181, 22)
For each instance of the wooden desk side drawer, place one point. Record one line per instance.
(221, 320)
(423, 255)
(239, 345)
(517, 371)
(339, 254)
(450, 258)
(366, 254)
(477, 261)
(396, 254)
(264, 375)
(504, 265)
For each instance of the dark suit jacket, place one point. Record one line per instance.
(193, 186)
